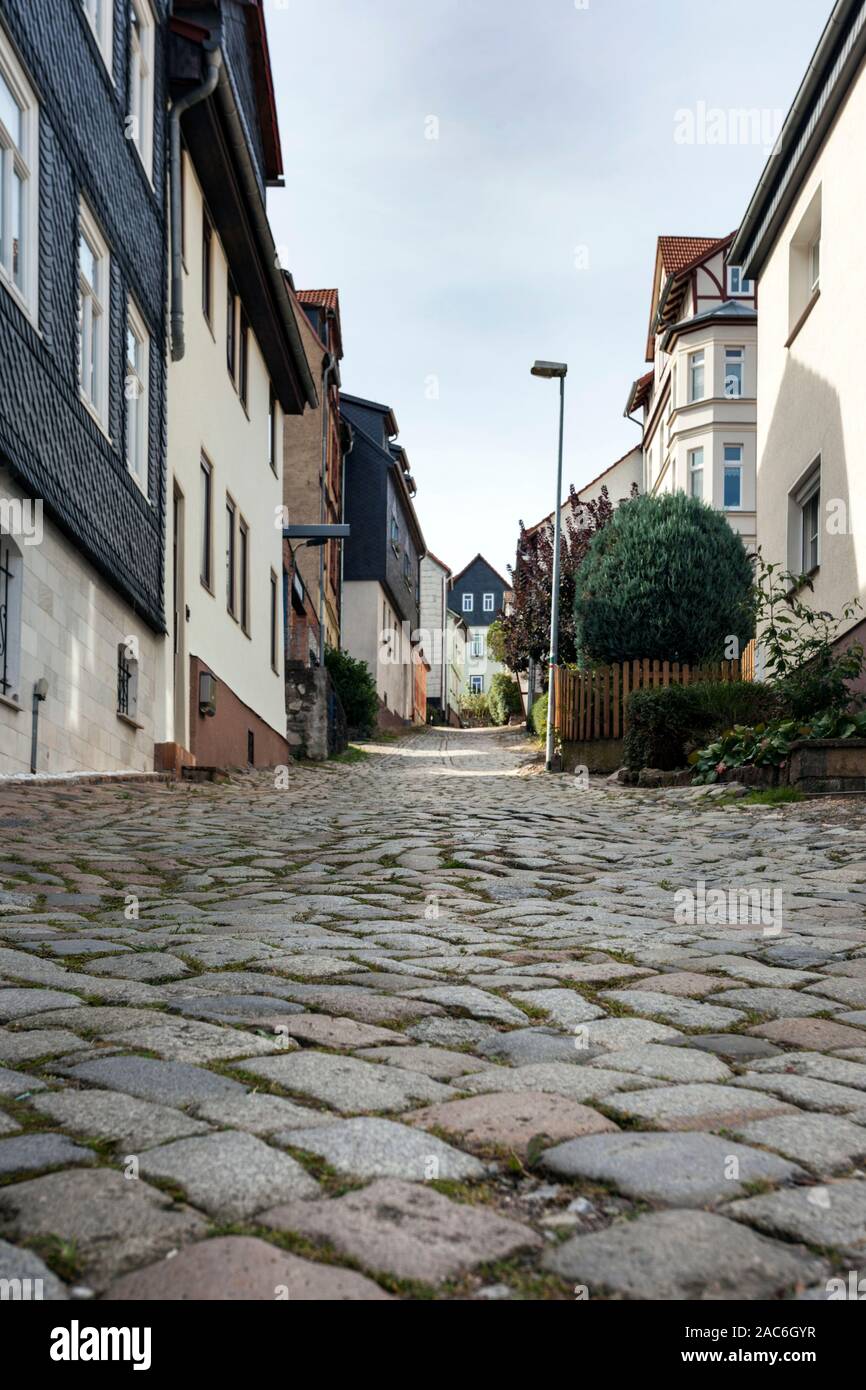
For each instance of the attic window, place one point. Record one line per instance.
(738, 285)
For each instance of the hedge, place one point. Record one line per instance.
(666, 725)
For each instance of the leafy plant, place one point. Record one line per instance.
(356, 688)
(798, 644)
(475, 707)
(769, 745)
(504, 698)
(667, 578)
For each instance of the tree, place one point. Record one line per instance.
(667, 578)
(526, 629)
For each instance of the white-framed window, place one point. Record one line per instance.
(733, 485)
(696, 375)
(468, 603)
(696, 473)
(488, 603)
(477, 647)
(738, 285)
(19, 182)
(137, 395)
(127, 680)
(735, 359)
(476, 685)
(807, 501)
(142, 29)
(11, 581)
(395, 533)
(101, 16)
(815, 264)
(93, 315)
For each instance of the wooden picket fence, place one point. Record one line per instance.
(592, 705)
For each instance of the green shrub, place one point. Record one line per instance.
(666, 578)
(665, 725)
(504, 698)
(538, 716)
(475, 707)
(356, 688)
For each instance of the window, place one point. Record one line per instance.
(127, 680)
(804, 266)
(807, 501)
(407, 570)
(11, 575)
(477, 647)
(137, 395)
(244, 574)
(141, 45)
(815, 264)
(207, 267)
(99, 13)
(19, 195)
(206, 521)
(733, 493)
(476, 685)
(696, 376)
(93, 317)
(275, 610)
(488, 603)
(734, 363)
(230, 556)
(273, 438)
(696, 473)
(737, 283)
(468, 603)
(231, 328)
(243, 371)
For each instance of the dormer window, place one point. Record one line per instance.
(738, 285)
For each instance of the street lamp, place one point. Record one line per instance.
(550, 371)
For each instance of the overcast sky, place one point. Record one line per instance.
(527, 228)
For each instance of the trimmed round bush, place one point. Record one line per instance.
(667, 579)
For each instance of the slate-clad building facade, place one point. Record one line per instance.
(478, 595)
(382, 581)
(82, 379)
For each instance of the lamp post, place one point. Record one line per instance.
(550, 371)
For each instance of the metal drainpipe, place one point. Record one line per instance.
(328, 369)
(40, 693)
(207, 88)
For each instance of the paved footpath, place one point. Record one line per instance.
(429, 1024)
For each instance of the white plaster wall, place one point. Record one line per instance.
(71, 625)
(205, 414)
(811, 395)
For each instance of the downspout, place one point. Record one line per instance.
(328, 368)
(207, 88)
(443, 680)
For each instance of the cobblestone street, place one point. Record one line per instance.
(429, 1024)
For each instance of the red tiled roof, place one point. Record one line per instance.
(325, 299)
(679, 252)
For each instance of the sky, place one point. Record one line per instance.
(484, 182)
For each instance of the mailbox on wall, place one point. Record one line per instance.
(207, 689)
